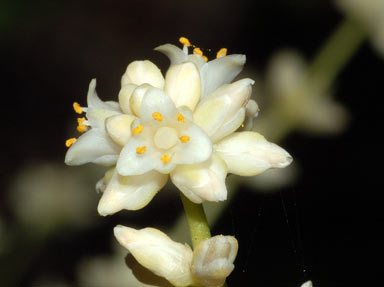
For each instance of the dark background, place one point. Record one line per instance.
(49, 51)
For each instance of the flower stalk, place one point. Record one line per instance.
(197, 221)
(336, 53)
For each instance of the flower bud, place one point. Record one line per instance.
(125, 94)
(223, 111)
(307, 284)
(137, 97)
(157, 252)
(143, 72)
(182, 85)
(249, 154)
(213, 260)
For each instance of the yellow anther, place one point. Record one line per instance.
(81, 127)
(205, 58)
(222, 53)
(165, 158)
(185, 41)
(242, 125)
(70, 142)
(157, 116)
(180, 117)
(185, 139)
(77, 108)
(197, 51)
(141, 149)
(137, 129)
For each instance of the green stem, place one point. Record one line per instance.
(336, 52)
(197, 221)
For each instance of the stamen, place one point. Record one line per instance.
(180, 117)
(165, 158)
(137, 129)
(242, 125)
(197, 51)
(185, 41)
(157, 116)
(70, 142)
(185, 139)
(77, 108)
(221, 53)
(81, 127)
(141, 149)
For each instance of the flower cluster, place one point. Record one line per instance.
(184, 126)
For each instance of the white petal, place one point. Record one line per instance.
(197, 60)
(307, 284)
(119, 128)
(157, 252)
(93, 146)
(222, 71)
(197, 149)
(182, 85)
(124, 96)
(137, 98)
(130, 192)
(202, 181)
(175, 54)
(143, 72)
(156, 100)
(97, 117)
(249, 153)
(94, 101)
(213, 260)
(132, 163)
(223, 111)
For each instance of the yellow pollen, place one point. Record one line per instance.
(137, 129)
(185, 41)
(141, 149)
(157, 116)
(77, 108)
(185, 139)
(165, 158)
(197, 51)
(70, 142)
(80, 126)
(205, 58)
(222, 53)
(180, 117)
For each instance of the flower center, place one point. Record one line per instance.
(165, 137)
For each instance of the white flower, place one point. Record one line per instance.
(310, 109)
(208, 265)
(182, 125)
